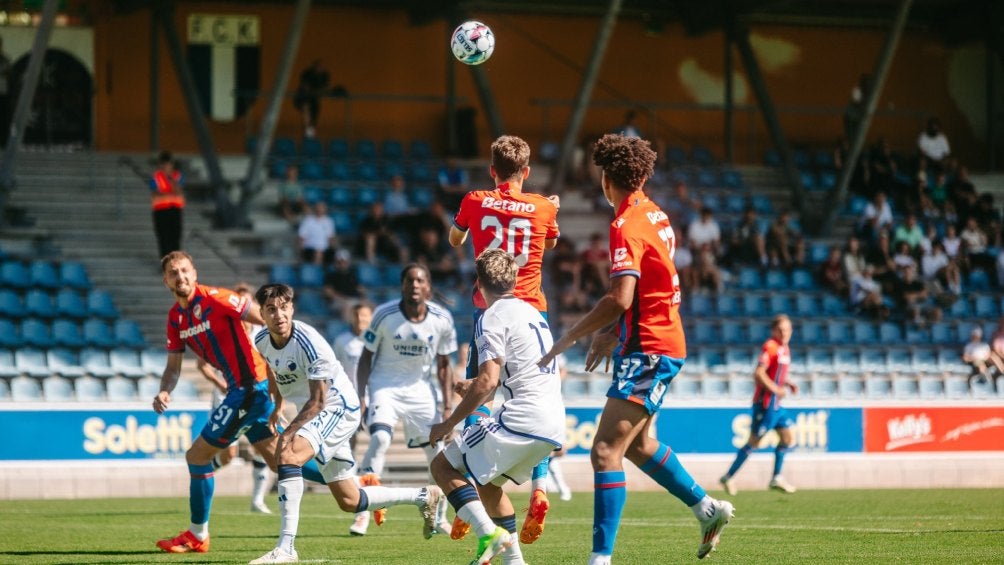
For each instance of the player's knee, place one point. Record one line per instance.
(346, 503)
(380, 439)
(604, 457)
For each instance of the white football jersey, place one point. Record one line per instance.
(405, 352)
(515, 333)
(306, 356)
(348, 349)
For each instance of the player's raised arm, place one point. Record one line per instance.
(457, 237)
(168, 380)
(363, 370)
(444, 372)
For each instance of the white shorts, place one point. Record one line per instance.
(493, 454)
(329, 433)
(415, 405)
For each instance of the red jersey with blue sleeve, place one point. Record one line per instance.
(211, 327)
(775, 358)
(517, 222)
(642, 245)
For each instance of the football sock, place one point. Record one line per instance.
(260, 476)
(200, 492)
(513, 554)
(382, 497)
(290, 494)
(470, 509)
(479, 414)
(666, 469)
(779, 454)
(704, 508)
(312, 472)
(538, 476)
(609, 495)
(556, 476)
(215, 462)
(376, 452)
(364, 501)
(741, 456)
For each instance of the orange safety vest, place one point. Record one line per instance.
(164, 196)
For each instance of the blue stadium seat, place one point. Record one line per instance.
(685, 386)
(960, 308)
(64, 362)
(823, 386)
(705, 332)
(284, 147)
(985, 306)
(10, 304)
(808, 180)
(978, 280)
(25, 389)
(700, 305)
(365, 149)
(819, 359)
(806, 305)
(714, 387)
(809, 332)
(366, 172)
(924, 359)
(369, 275)
(802, 279)
(838, 332)
(368, 194)
(392, 149)
(36, 333)
(311, 275)
(914, 335)
(95, 361)
(762, 204)
(391, 170)
(846, 359)
(733, 333)
(311, 148)
(39, 303)
(66, 333)
(153, 360)
(147, 387)
(13, 274)
(7, 366)
(956, 387)
(89, 389)
(754, 305)
(834, 305)
(864, 332)
(44, 275)
(741, 386)
(129, 334)
(733, 179)
(877, 386)
(57, 389)
(311, 303)
(826, 180)
(702, 156)
(708, 178)
(818, 253)
(735, 203)
(32, 361)
(345, 222)
(97, 333)
(392, 277)
(931, 388)
(419, 149)
(898, 359)
(873, 359)
(712, 357)
(10, 334)
(749, 278)
(904, 387)
(339, 171)
(185, 390)
(850, 387)
(759, 331)
(421, 196)
(314, 194)
(283, 273)
(890, 334)
(120, 389)
(772, 158)
(739, 359)
(420, 173)
(776, 280)
(277, 168)
(100, 304)
(127, 362)
(338, 149)
(4, 390)
(781, 304)
(69, 304)
(727, 306)
(312, 170)
(856, 205)
(341, 196)
(942, 333)
(711, 202)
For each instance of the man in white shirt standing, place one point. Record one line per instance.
(308, 375)
(317, 236)
(529, 425)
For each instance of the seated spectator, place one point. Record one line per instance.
(881, 168)
(866, 294)
(705, 232)
(854, 260)
(880, 257)
(292, 205)
(681, 208)
(831, 273)
(684, 261)
(974, 241)
(909, 232)
(953, 244)
(938, 269)
(785, 246)
(911, 295)
(376, 238)
(903, 258)
(747, 246)
(706, 271)
(594, 262)
(933, 145)
(431, 248)
(938, 190)
(997, 347)
(564, 271)
(395, 202)
(876, 218)
(317, 241)
(454, 183)
(341, 284)
(979, 356)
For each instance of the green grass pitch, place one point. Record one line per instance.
(860, 526)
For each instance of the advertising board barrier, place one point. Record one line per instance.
(934, 428)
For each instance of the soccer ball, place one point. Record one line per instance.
(472, 43)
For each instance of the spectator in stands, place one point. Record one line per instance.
(881, 168)
(167, 199)
(454, 183)
(565, 271)
(938, 270)
(974, 241)
(866, 294)
(978, 355)
(880, 257)
(953, 246)
(854, 260)
(628, 127)
(785, 246)
(937, 190)
(933, 145)
(911, 295)
(705, 232)
(595, 267)
(903, 258)
(341, 282)
(961, 190)
(997, 348)
(430, 248)
(684, 261)
(909, 232)
(989, 218)
(876, 217)
(317, 240)
(681, 208)
(831, 273)
(376, 239)
(314, 82)
(747, 246)
(292, 205)
(706, 271)
(395, 202)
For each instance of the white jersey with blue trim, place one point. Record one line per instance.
(404, 352)
(517, 335)
(305, 357)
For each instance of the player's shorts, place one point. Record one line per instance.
(244, 411)
(328, 434)
(472, 355)
(767, 419)
(415, 405)
(493, 454)
(643, 379)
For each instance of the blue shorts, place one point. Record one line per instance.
(767, 419)
(242, 412)
(472, 355)
(643, 379)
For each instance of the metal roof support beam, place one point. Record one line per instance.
(487, 100)
(154, 83)
(837, 198)
(728, 95)
(254, 180)
(24, 99)
(164, 13)
(742, 39)
(582, 99)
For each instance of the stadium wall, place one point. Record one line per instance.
(84, 451)
(810, 73)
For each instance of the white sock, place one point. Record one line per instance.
(704, 508)
(513, 555)
(556, 475)
(376, 453)
(382, 497)
(290, 494)
(474, 513)
(200, 531)
(261, 478)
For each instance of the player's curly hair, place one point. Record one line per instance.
(627, 161)
(496, 271)
(509, 155)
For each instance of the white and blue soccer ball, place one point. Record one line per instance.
(472, 43)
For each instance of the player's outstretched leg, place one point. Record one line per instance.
(261, 476)
(714, 516)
